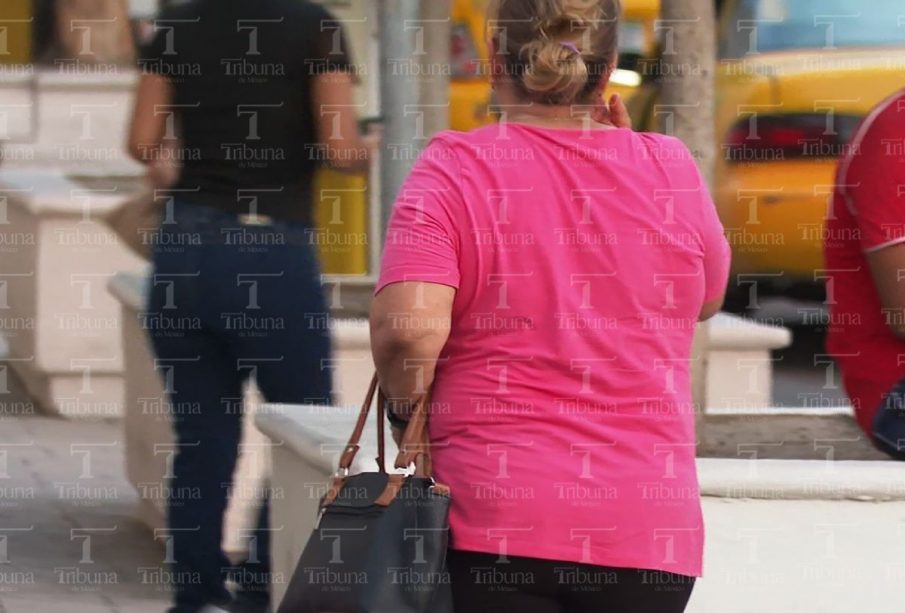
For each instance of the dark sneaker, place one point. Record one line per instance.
(889, 423)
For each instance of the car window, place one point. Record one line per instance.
(465, 61)
(632, 45)
(759, 26)
(632, 37)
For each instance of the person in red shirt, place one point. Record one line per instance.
(865, 260)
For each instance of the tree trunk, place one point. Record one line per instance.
(688, 65)
(436, 34)
(687, 109)
(94, 31)
(414, 86)
(399, 100)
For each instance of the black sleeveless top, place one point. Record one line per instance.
(241, 72)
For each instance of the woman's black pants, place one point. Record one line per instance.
(489, 583)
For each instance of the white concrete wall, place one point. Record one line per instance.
(76, 122)
(739, 371)
(143, 8)
(64, 337)
(61, 324)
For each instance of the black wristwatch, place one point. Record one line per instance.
(395, 420)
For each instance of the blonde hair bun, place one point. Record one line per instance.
(554, 70)
(557, 51)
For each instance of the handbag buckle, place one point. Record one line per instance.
(439, 489)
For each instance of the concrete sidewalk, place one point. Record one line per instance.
(68, 539)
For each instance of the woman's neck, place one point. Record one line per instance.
(580, 119)
(546, 115)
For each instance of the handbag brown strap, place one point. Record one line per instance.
(351, 449)
(415, 447)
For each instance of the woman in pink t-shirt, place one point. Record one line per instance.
(545, 276)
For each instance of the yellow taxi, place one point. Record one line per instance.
(796, 78)
(16, 31)
(471, 97)
(469, 93)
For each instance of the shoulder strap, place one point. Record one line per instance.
(415, 447)
(348, 454)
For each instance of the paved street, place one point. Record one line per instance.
(803, 374)
(68, 539)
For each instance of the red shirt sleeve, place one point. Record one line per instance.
(873, 183)
(422, 241)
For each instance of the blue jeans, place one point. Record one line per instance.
(228, 302)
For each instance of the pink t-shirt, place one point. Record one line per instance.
(562, 416)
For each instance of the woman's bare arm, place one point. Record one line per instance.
(147, 135)
(149, 117)
(410, 324)
(336, 116)
(887, 267)
(710, 309)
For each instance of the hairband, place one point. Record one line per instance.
(572, 47)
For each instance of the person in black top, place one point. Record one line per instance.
(238, 104)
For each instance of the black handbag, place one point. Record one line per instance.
(380, 542)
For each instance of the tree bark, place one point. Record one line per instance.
(436, 33)
(399, 99)
(414, 86)
(688, 67)
(686, 111)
